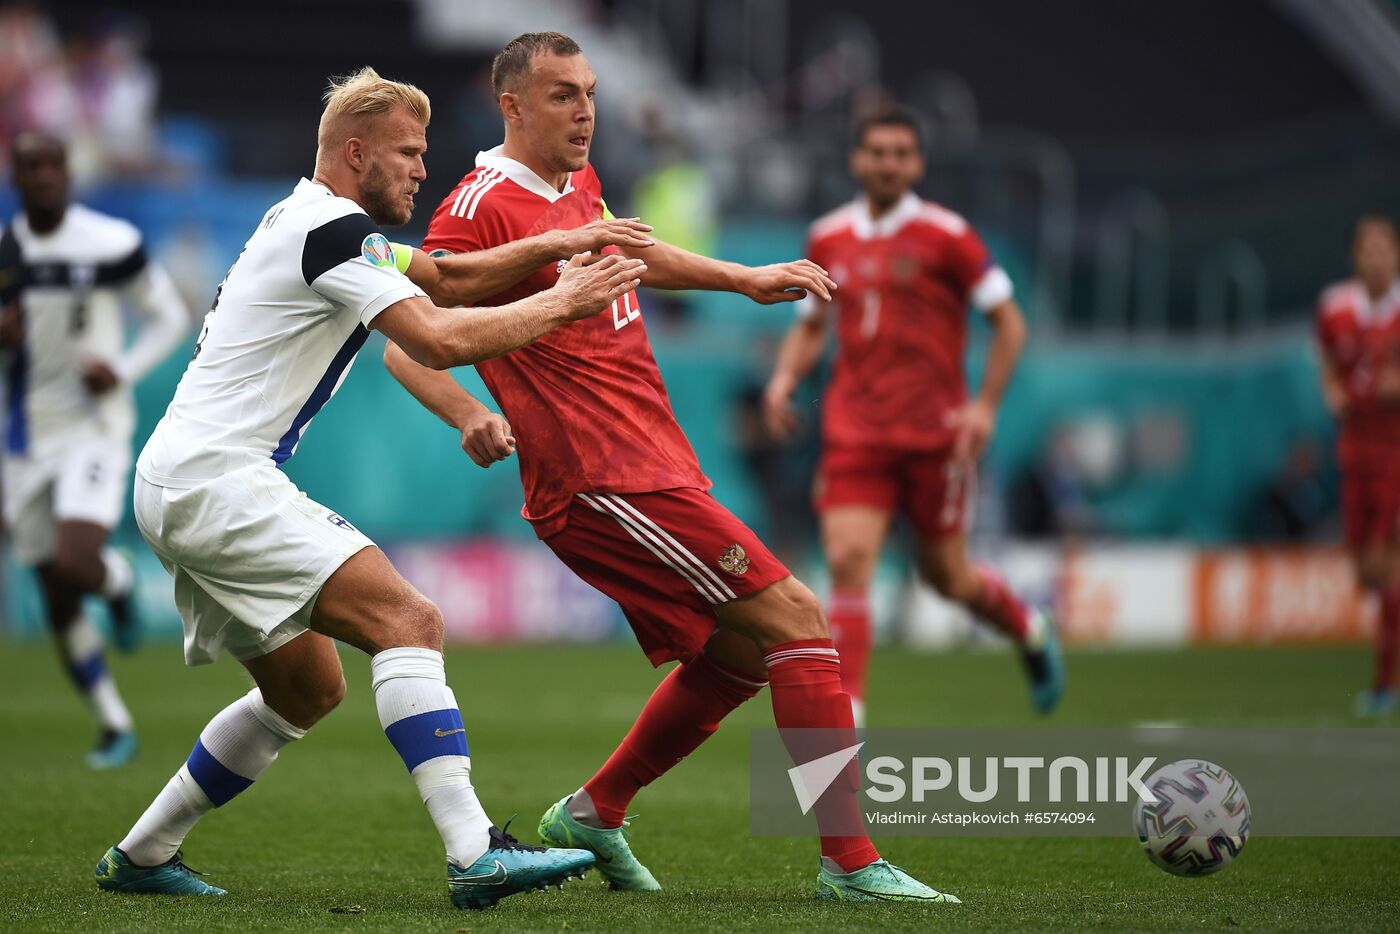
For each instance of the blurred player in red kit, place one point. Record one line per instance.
(614, 489)
(899, 431)
(1358, 330)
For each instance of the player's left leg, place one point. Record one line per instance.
(945, 563)
(78, 567)
(1378, 566)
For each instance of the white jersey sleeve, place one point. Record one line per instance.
(349, 263)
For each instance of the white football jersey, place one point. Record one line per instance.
(285, 327)
(72, 283)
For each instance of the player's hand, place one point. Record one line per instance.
(98, 377)
(11, 326)
(486, 438)
(589, 287)
(625, 232)
(787, 282)
(779, 417)
(972, 426)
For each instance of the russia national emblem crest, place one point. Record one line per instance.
(734, 561)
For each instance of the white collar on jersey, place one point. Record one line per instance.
(867, 227)
(522, 174)
(1383, 308)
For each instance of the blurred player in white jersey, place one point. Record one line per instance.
(65, 273)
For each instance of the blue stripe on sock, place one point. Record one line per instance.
(88, 671)
(218, 782)
(428, 736)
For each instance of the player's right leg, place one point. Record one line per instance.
(367, 604)
(855, 495)
(852, 536)
(785, 623)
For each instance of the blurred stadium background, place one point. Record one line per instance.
(1169, 185)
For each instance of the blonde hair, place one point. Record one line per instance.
(365, 94)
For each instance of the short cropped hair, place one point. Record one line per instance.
(365, 93)
(1374, 220)
(890, 118)
(513, 62)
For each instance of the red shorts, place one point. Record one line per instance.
(668, 558)
(934, 489)
(1371, 506)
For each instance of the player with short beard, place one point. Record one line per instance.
(900, 432)
(614, 489)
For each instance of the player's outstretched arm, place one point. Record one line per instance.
(463, 278)
(670, 267)
(797, 356)
(976, 420)
(486, 436)
(440, 338)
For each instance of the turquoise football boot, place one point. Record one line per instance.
(615, 860)
(1376, 703)
(116, 873)
(878, 882)
(509, 866)
(113, 751)
(1045, 666)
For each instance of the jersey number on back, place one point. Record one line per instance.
(625, 311)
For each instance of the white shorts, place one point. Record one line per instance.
(75, 477)
(249, 553)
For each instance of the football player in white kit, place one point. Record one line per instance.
(65, 273)
(273, 577)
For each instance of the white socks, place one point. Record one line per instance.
(83, 645)
(419, 715)
(120, 575)
(235, 748)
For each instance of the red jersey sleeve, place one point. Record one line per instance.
(969, 260)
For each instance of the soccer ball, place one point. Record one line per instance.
(1199, 822)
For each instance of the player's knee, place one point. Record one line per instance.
(851, 565)
(423, 624)
(329, 694)
(76, 571)
(954, 582)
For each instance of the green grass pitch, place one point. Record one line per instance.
(333, 837)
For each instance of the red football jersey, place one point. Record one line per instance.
(585, 402)
(1359, 338)
(906, 281)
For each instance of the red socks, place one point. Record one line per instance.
(815, 717)
(998, 605)
(1387, 640)
(849, 616)
(683, 711)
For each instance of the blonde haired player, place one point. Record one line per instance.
(272, 577)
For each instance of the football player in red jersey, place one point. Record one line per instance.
(1358, 331)
(614, 489)
(899, 431)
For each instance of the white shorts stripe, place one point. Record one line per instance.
(476, 198)
(665, 557)
(678, 553)
(715, 578)
(793, 654)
